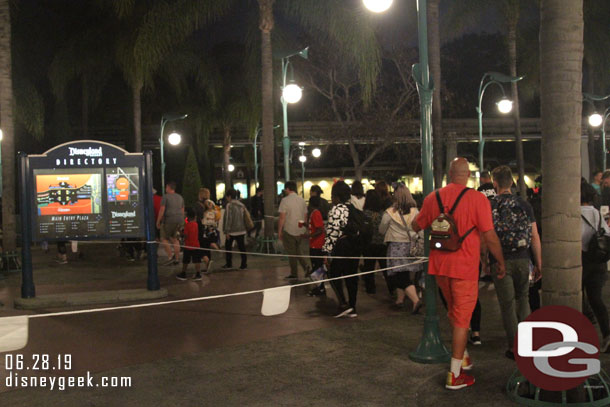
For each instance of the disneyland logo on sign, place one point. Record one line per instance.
(87, 152)
(557, 348)
(123, 214)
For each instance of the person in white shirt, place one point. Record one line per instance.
(357, 199)
(291, 229)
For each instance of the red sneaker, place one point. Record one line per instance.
(467, 363)
(456, 383)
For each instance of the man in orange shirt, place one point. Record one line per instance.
(457, 272)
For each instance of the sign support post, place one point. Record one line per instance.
(27, 279)
(151, 245)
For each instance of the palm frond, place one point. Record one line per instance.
(29, 108)
(336, 21)
(167, 24)
(123, 8)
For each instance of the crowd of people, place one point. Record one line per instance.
(493, 234)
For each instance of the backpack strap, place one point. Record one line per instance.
(440, 202)
(466, 234)
(457, 201)
(589, 223)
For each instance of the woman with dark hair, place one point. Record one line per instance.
(377, 248)
(357, 198)
(399, 235)
(384, 194)
(336, 245)
(316, 241)
(593, 272)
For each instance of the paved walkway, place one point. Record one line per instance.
(223, 352)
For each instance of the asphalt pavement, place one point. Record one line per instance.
(223, 352)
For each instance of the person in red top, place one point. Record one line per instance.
(457, 272)
(191, 241)
(316, 240)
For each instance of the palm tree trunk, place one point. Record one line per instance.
(137, 117)
(226, 158)
(85, 107)
(9, 239)
(266, 25)
(512, 58)
(434, 43)
(561, 53)
(592, 148)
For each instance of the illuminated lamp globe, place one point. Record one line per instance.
(505, 105)
(292, 93)
(302, 158)
(595, 120)
(378, 6)
(174, 139)
(316, 152)
(231, 168)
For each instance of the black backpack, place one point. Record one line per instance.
(512, 225)
(359, 228)
(598, 250)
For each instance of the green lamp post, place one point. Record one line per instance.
(291, 93)
(430, 349)
(596, 120)
(505, 105)
(173, 139)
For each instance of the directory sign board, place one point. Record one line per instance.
(86, 190)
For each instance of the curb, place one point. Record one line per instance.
(88, 298)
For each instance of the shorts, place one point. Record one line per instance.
(191, 256)
(205, 244)
(461, 297)
(171, 230)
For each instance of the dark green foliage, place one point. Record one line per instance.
(192, 181)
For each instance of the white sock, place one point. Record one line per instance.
(465, 354)
(456, 366)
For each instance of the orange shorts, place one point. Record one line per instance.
(461, 297)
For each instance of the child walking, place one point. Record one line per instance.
(210, 224)
(191, 253)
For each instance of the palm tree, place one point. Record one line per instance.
(434, 43)
(334, 20)
(87, 58)
(561, 56)
(9, 235)
(266, 23)
(467, 10)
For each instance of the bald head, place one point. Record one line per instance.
(459, 171)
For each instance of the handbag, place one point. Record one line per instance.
(248, 220)
(416, 248)
(599, 245)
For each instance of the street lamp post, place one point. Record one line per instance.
(254, 146)
(431, 348)
(504, 105)
(596, 120)
(164, 120)
(302, 159)
(291, 93)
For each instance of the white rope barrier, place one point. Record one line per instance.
(195, 299)
(253, 253)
